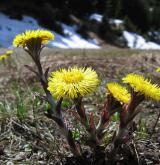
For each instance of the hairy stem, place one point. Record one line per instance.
(88, 124)
(54, 112)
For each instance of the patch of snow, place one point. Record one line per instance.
(138, 42)
(9, 28)
(72, 39)
(116, 21)
(134, 40)
(96, 17)
(99, 17)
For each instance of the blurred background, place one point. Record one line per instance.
(84, 23)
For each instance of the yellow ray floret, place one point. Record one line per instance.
(73, 82)
(158, 70)
(3, 57)
(44, 36)
(119, 92)
(143, 86)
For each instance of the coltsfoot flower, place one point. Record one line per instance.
(32, 37)
(3, 57)
(158, 70)
(9, 52)
(119, 92)
(72, 83)
(143, 86)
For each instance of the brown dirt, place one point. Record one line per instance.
(111, 65)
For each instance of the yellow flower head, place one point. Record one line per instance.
(33, 36)
(143, 86)
(158, 70)
(119, 92)
(73, 82)
(3, 57)
(9, 52)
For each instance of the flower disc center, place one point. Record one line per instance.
(73, 78)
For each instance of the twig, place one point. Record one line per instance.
(136, 153)
(154, 126)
